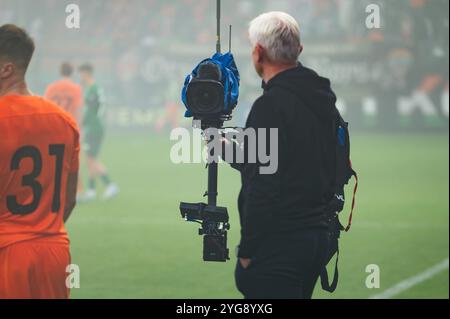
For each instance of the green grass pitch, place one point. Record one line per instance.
(137, 245)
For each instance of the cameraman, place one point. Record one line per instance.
(284, 238)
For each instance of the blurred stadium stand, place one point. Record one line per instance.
(395, 77)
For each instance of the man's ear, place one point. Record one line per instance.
(300, 50)
(261, 52)
(6, 70)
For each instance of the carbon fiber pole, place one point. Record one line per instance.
(218, 46)
(212, 167)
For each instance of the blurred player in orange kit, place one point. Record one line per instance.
(66, 93)
(39, 147)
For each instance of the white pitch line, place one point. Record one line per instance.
(412, 281)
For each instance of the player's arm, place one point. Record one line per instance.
(72, 179)
(71, 194)
(78, 106)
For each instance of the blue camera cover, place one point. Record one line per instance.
(230, 81)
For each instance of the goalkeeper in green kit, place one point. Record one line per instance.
(93, 131)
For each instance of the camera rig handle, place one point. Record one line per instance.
(200, 211)
(214, 221)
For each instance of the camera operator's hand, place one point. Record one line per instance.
(233, 147)
(245, 262)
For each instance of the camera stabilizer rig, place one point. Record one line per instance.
(210, 94)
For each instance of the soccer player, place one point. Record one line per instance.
(39, 147)
(66, 93)
(93, 133)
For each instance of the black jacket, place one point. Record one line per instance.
(301, 105)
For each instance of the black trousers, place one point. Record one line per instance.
(285, 266)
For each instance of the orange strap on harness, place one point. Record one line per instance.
(355, 189)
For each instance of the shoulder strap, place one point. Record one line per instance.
(344, 169)
(324, 276)
(355, 189)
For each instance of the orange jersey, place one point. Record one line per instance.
(67, 95)
(39, 147)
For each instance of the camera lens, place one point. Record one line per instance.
(205, 97)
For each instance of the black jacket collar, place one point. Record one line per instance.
(280, 76)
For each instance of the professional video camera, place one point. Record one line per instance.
(211, 91)
(210, 94)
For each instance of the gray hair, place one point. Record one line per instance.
(279, 34)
